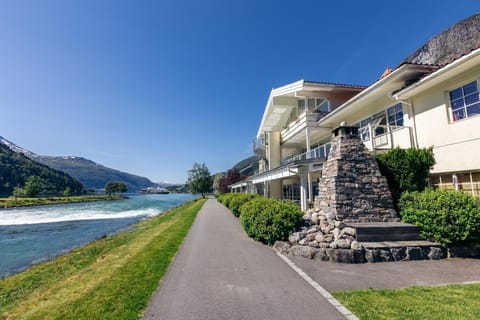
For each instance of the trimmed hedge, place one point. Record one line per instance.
(237, 200)
(225, 198)
(446, 217)
(268, 220)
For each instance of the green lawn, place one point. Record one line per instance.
(112, 278)
(439, 302)
(21, 202)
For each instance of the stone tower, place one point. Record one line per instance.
(351, 188)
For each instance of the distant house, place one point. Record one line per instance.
(424, 102)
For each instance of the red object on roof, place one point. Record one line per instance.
(387, 71)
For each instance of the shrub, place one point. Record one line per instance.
(226, 199)
(406, 170)
(447, 217)
(268, 220)
(237, 200)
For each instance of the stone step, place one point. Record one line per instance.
(385, 231)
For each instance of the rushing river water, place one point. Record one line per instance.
(34, 234)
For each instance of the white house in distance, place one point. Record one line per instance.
(429, 100)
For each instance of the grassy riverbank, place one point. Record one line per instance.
(112, 278)
(10, 202)
(439, 302)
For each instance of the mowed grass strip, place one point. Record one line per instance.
(112, 278)
(438, 302)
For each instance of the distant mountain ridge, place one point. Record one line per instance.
(248, 166)
(91, 174)
(16, 168)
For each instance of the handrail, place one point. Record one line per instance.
(318, 152)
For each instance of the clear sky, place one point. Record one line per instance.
(150, 87)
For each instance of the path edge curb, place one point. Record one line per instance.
(334, 302)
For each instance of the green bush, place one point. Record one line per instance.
(406, 170)
(225, 198)
(237, 200)
(268, 220)
(447, 217)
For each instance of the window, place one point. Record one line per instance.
(301, 106)
(323, 105)
(379, 122)
(363, 131)
(395, 115)
(465, 101)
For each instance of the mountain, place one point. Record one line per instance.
(451, 44)
(15, 168)
(248, 166)
(92, 175)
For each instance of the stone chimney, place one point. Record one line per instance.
(351, 188)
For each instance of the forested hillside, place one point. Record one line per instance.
(15, 168)
(93, 175)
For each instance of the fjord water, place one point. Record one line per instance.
(30, 235)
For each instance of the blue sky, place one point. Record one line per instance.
(150, 87)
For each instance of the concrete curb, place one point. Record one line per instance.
(334, 302)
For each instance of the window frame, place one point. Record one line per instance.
(463, 97)
(365, 134)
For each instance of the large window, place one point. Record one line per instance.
(392, 116)
(319, 104)
(395, 115)
(465, 101)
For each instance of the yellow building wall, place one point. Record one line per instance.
(456, 145)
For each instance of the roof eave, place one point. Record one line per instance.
(436, 76)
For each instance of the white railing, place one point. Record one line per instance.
(316, 153)
(386, 137)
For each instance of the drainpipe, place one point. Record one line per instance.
(413, 135)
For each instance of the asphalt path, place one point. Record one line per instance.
(344, 276)
(220, 273)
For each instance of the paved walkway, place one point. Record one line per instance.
(220, 273)
(344, 276)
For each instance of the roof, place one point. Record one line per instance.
(462, 64)
(283, 99)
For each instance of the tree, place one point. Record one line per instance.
(216, 181)
(113, 187)
(18, 192)
(199, 179)
(232, 176)
(67, 192)
(406, 170)
(33, 186)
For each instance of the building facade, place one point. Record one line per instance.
(413, 105)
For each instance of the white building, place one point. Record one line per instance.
(414, 105)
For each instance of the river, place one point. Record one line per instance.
(35, 234)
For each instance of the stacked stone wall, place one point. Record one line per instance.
(352, 189)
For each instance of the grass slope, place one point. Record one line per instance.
(439, 302)
(112, 278)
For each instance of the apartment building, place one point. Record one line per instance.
(415, 105)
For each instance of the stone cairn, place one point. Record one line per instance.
(352, 189)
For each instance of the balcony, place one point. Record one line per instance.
(259, 147)
(306, 119)
(320, 152)
(386, 137)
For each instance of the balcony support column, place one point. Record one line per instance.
(303, 187)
